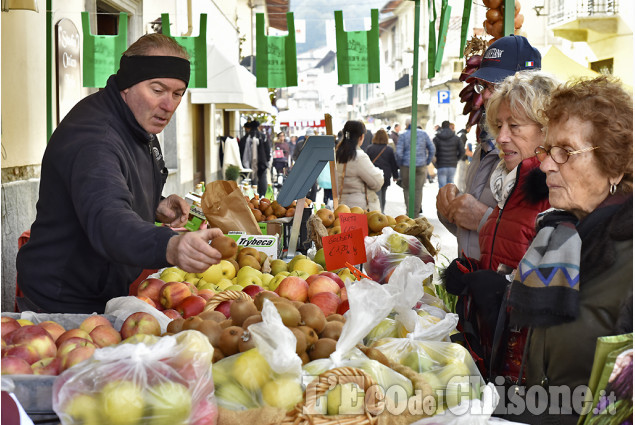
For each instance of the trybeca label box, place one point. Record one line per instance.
(265, 243)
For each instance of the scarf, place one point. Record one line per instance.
(546, 285)
(502, 182)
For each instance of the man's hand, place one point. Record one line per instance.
(446, 195)
(191, 250)
(466, 211)
(173, 210)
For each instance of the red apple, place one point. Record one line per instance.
(206, 293)
(223, 307)
(252, 290)
(172, 293)
(105, 335)
(151, 287)
(147, 300)
(53, 328)
(15, 366)
(343, 294)
(333, 276)
(23, 351)
(193, 288)
(172, 313)
(141, 323)
(33, 336)
(327, 301)
(191, 306)
(343, 307)
(204, 413)
(72, 343)
(92, 321)
(8, 324)
(323, 284)
(77, 355)
(48, 366)
(71, 333)
(294, 288)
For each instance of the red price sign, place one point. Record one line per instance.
(350, 221)
(344, 247)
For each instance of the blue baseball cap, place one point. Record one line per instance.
(505, 57)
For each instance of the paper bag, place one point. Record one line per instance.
(225, 207)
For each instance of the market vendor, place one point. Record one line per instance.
(100, 191)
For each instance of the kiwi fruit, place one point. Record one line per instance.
(256, 318)
(249, 251)
(289, 314)
(248, 260)
(262, 257)
(226, 323)
(322, 349)
(309, 334)
(228, 341)
(235, 263)
(212, 330)
(218, 355)
(335, 317)
(176, 325)
(226, 246)
(214, 315)
(191, 323)
(305, 358)
(312, 316)
(260, 298)
(332, 330)
(246, 342)
(297, 304)
(300, 341)
(241, 309)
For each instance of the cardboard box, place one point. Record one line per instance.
(269, 244)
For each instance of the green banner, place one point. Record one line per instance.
(432, 38)
(465, 24)
(102, 52)
(276, 61)
(443, 34)
(357, 52)
(197, 49)
(510, 14)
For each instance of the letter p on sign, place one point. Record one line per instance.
(443, 96)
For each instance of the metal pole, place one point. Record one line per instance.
(49, 69)
(413, 121)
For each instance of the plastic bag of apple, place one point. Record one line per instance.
(165, 380)
(386, 251)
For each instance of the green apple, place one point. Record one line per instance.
(249, 279)
(122, 403)
(283, 393)
(397, 243)
(418, 361)
(234, 288)
(202, 284)
(266, 278)
(224, 284)
(306, 265)
(319, 257)
(180, 272)
(345, 399)
(251, 370)
(192, 279)
(169, 402)
(273, 283)
(84, 409)
(278, 266)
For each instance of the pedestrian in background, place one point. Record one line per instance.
(383, 156)
(449, 150)
(394, 135)
(424, 151)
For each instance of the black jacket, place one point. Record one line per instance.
(449, 148)
(386, 161)
(94, 232)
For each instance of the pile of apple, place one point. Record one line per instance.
(376, 220)
(264, 209)
(48, 348)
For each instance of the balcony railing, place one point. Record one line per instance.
(565, 10)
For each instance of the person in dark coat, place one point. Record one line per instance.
(257, 155)
(383, 156)
(450, 149)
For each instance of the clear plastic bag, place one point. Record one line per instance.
(386, 251)
(268, 375)
(122, 307)
(164, 380)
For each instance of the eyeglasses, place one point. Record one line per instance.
(481, 86)
(558, 154)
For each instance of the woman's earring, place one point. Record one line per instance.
(613, 189)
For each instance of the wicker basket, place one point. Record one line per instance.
(341, 375)
(225, 296)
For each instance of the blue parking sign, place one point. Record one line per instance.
(443, 96)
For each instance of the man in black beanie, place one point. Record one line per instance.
(100, 191)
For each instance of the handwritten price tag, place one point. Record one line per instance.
(344, 247)
(350, 221)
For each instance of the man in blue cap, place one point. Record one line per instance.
(464, 213)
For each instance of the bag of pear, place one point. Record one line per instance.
(225, 207)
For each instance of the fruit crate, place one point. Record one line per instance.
(35, 392)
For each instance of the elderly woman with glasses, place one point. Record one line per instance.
(514, 118)
(575, 283)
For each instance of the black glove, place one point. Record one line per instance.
(455, 276)
(487, 289)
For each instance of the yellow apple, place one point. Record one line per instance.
(249, 279)
(266, 278)
(180, 272)
(170, 403)
(234, 288)
(251, 370)
(84, 409)
(216, 272)
(171, 277)
(306, 265)
(273, 284)
(283, 393)
(122, 403)
(294, 259)
(278, 266)
(224, 284)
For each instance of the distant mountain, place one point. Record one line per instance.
(317, 12)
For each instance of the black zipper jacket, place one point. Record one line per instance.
(94, 232)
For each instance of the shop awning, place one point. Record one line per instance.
(231, 86)
(563, 67)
